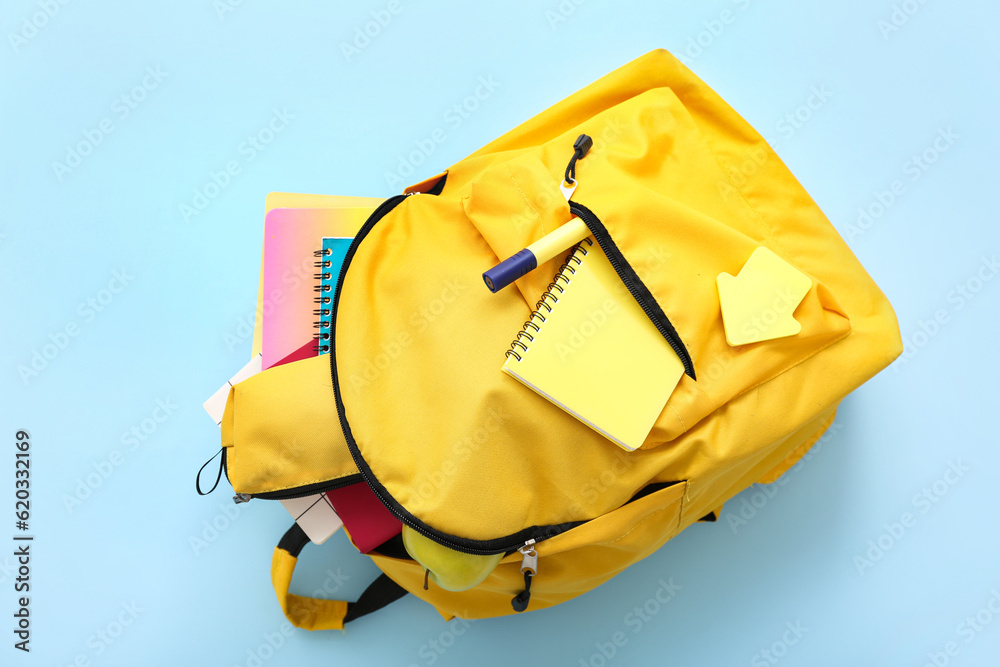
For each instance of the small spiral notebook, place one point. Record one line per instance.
(590, 349)
(291, 237)
(329, 260)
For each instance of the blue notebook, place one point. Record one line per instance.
(329, 260)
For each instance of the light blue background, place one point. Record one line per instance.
(169, 335)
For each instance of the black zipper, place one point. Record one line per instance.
(308, 489)
(295, 491)
(509, 543)
(340, 482)
(635, 286)
(478, 547)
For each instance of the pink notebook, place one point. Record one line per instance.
(291, 236)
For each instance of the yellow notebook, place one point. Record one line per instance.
(591, 350)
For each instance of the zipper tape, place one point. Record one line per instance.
(635, 286)
(513, 541)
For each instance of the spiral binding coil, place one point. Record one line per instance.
(323, 301)
(548, 298)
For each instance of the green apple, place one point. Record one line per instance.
(451, 570)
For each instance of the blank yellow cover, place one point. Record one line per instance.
(591, 350)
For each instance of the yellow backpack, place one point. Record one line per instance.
(676, 189)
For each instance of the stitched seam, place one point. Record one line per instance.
(674, 410)
(524, 196)
(645, 519)
(756, 213)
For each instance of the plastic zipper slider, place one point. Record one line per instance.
(529, 567)
(242, 498)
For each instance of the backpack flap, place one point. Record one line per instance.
(479, 462)
(280, 433)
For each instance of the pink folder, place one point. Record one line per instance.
(291, 236)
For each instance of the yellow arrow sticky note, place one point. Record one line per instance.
(757, 304)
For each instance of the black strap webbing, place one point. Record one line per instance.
(381, 592)
(293, 540)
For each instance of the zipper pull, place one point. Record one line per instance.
(581, 147)
(242, 498)
(529, 567)
(529, 557)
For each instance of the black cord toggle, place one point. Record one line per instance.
(520, 602)
(581, 147)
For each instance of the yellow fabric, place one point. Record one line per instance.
(687, 190)
(775, 473)
(303, 612)
(570, 564)
(576, 561)
(593, 333)
(281, 430)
